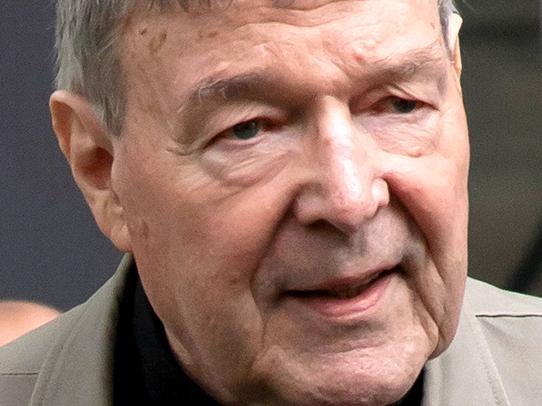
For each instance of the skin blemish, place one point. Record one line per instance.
(157, 42)
(144, 229)
(362, 50)
(143, 31)
(205, 34)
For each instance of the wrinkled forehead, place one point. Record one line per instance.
(195, 5)
(328, 40)
(202, 18)
(198, 7)
(205, 15)
(225, 31)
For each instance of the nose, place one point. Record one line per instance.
(346, 187)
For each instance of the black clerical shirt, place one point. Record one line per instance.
(145, 370)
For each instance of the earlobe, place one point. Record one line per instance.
(454, 26)
(89, 151)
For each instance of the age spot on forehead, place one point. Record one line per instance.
(157, 42)
(203, 34)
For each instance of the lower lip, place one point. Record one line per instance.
(337, 308)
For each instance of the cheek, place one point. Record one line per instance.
(434, 194)
(206, 240)
(197, 229)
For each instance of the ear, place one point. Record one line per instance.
(454, 25)
(90, 153)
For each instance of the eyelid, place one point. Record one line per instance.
(379, 94)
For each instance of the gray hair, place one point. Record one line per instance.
(87, 34)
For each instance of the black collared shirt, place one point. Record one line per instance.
(145, 370)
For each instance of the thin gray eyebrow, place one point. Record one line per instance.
(411, 62)
(233, 87)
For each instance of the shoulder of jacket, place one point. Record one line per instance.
(21, 361)
(485, 300)
(26, 354)
(44, 367)
(511, 326)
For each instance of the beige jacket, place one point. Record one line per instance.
(495, 359)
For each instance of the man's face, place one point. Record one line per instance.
(295, 186)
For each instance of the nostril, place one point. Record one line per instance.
(321, 225)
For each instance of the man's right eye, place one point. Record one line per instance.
(245, 131)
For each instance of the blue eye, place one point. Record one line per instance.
(404, 106)
(246, 130)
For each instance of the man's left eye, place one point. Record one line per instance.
(403, 106)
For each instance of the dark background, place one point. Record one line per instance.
(52, 252)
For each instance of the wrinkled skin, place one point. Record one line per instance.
(357, 164)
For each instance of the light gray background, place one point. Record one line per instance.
(51, 251)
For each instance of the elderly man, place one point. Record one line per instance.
(289, 179)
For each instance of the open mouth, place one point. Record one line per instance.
(342, 298)
(343, 291)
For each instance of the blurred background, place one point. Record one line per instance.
(52, 252)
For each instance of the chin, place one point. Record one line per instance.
(342, 380)
(355, 390)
